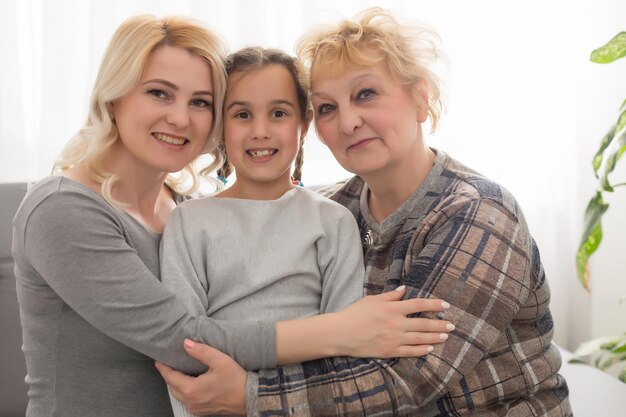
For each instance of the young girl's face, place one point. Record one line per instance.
(262, 126)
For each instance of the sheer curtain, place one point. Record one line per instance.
(517, 86)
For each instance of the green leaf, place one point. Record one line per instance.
(613, 50)
(622, 375)
(620, 347)
(604, 143)
(592, 236)
(592, 346)
(608, 362)
(617, 150)
(621, 121)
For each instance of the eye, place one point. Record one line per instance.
(279, 114)
(242, 115)
(201, 103)
(325, 108)
(365, 94)
(157, 93)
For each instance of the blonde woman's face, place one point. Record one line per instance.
(368, 120)
(165, 120)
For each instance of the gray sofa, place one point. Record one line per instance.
(593, 393)
(13, 398)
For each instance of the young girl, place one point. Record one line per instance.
(263, 249)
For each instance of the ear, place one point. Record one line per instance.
(110, 106)
(420, 94)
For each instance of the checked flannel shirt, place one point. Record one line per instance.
(461, 238)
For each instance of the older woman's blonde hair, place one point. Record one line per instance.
(120, 71)
(373, 38)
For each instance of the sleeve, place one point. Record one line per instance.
(184, 277)
(340, 258)
(79, 249)
(476, 256)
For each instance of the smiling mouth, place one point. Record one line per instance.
(170, 139)
(261, 153)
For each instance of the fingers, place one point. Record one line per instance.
(428, 325)
(394, 295)
(172, 377)
(421, 338)
(419, 305)
(413, 351)
(201, 352)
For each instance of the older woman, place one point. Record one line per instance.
(427, 222)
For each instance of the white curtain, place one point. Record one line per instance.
(524, 105)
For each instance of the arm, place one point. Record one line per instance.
(476, 257)
(78, 248)
(340, 258)
(178, 271)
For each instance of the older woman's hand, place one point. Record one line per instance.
(220, 390)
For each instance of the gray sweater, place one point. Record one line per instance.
(94, 314)
(237, 259)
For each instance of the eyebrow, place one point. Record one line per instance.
(246, 103)
(175, 87)
(353, 81)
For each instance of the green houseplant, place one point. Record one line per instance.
(606, 352)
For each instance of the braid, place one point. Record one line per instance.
(297, 171)
(226, 169)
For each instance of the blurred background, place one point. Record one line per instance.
(526, 107)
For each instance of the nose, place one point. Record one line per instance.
(349, 120)
(261, 129)
(178, 116)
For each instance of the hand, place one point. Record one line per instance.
(220, 390)
(377, 326)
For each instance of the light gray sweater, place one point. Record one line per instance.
(237, 259)
(95, 316)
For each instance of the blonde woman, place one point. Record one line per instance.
(429, 223)
(86, 240)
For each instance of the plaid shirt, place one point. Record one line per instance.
(461, 238)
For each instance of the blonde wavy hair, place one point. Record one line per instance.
(120, 71)
(374, 37)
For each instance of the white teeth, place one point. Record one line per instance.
(262, 153)
(169, 139)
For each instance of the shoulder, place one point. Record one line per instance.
(57, 210)
(193, 213)
(459, 186)
(347, 189)
(324, 205)
(60, 198)
(192, 205)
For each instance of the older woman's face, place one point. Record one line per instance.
(368, 120)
